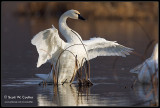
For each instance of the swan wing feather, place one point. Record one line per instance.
(101, 47)
(48, 44)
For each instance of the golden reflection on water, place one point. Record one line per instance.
(67, 95)
(70, 95)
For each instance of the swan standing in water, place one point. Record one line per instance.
(49, 46)
(148, 67)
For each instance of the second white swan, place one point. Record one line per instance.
(148, 68)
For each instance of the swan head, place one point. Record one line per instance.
(74, 14)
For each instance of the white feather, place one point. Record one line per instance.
(101, 47)
(48, 43)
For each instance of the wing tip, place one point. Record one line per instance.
(38, 65)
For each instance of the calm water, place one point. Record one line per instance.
(110, 75)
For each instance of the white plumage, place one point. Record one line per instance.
(101, 47)
(148, 67)
(49, 46)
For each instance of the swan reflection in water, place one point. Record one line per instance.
(147, 93)
(66, 95)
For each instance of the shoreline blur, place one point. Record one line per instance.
(98, 10)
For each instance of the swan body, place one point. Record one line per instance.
(147, 68)
(50, 46)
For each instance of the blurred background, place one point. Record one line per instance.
(97, 10)
(132, 24)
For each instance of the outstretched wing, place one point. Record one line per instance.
(101, 47)
(48, 44)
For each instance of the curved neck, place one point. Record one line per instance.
(66, 31)
(64, 28)
(62, 22)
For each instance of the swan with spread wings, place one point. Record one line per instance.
(50, 46)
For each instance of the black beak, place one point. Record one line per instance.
(80, 17)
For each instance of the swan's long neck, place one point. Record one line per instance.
(68, 32)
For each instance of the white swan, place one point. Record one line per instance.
(148, 67)
(49, 46)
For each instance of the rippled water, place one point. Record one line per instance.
(112, 82)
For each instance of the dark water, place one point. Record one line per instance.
(110, 75)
